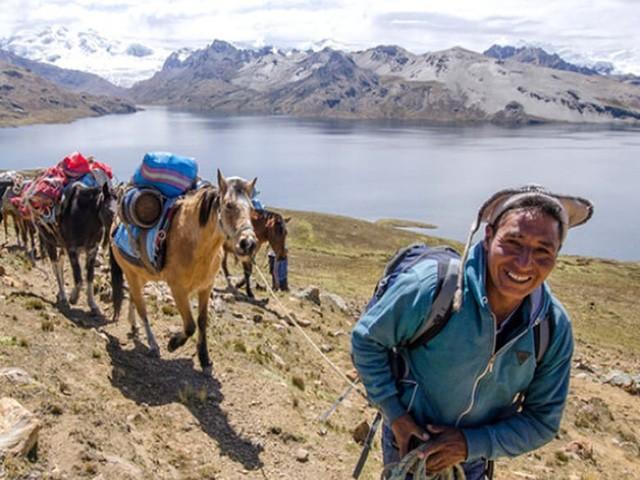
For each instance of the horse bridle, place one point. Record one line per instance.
(224, 230)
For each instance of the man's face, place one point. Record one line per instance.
(521, 253)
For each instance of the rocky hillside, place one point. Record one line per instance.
(454, 85)
(27, 98)
(106, 410)
(74, 80)
(538, 56)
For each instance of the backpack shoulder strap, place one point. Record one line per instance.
(440, 311)
(542, 337)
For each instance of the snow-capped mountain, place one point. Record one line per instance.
(122, 63)
(606, 61)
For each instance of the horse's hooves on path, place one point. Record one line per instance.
(96, 312)
(207, 371)
(154, 352)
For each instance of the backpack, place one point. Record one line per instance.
(448, 261)
(172, 174)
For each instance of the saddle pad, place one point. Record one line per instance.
(128, 239)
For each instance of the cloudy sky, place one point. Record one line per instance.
(599, 29)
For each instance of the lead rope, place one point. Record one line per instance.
(413, 465)
(335, 368)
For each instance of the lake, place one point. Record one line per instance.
(371, 170)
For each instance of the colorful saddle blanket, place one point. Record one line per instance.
(146, 247)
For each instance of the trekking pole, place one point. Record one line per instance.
(364, 454)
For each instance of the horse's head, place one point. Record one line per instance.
(234, 212)
(274, 227)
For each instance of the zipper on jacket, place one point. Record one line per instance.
(489, 368)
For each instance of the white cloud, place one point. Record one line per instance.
(601, 27)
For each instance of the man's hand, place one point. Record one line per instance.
(449, 448)
(403, 429)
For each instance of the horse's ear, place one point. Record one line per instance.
(252, 187)
(222, 183)
(287, 219)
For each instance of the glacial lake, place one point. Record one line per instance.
(370, 170)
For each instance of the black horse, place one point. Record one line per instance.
(83, 223)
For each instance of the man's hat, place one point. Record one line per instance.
(574, 211)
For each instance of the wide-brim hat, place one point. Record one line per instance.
(574, 211)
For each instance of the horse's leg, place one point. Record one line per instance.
(77, 276)
(58, 270)
(91, 266)
(132, 318)
(203, 319)
(32, 252)
(225, 270)
(181, 298)
(248, 269)
(136, 295)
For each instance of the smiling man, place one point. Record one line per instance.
(482, 388)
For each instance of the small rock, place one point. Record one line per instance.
(303, 322)
(337, 333)
(2, 271)
(302, 455)
(360, 432)
(311, 294)
(581, 449)
(335, 300)
(326, 348)
(18, 429)
(65, 389)
(237, 315)
(218, 305)
(322, 432)
(278, 359)
(352, 375)
(15, 375)
(258, 318)
(618, 379)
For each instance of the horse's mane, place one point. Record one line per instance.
(208, 201)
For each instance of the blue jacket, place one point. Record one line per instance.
(457, 379)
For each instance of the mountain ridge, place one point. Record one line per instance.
(453, 85)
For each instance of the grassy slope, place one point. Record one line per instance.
(124, 405)
(347, 256)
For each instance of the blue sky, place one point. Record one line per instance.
(603, 29)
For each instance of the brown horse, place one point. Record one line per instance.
(269, 227)
(194, 251)
(24, 228)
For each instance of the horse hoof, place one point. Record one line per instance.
(133, 333)
(175, 342)
(96, 312)
(154, 352)
(73, 299)
(207, 371)
(62, 304)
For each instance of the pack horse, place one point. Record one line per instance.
(201, 220)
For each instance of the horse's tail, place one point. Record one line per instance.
(117, 285)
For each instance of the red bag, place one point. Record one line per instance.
(44, 192)
(74, 165)
(102, 166)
